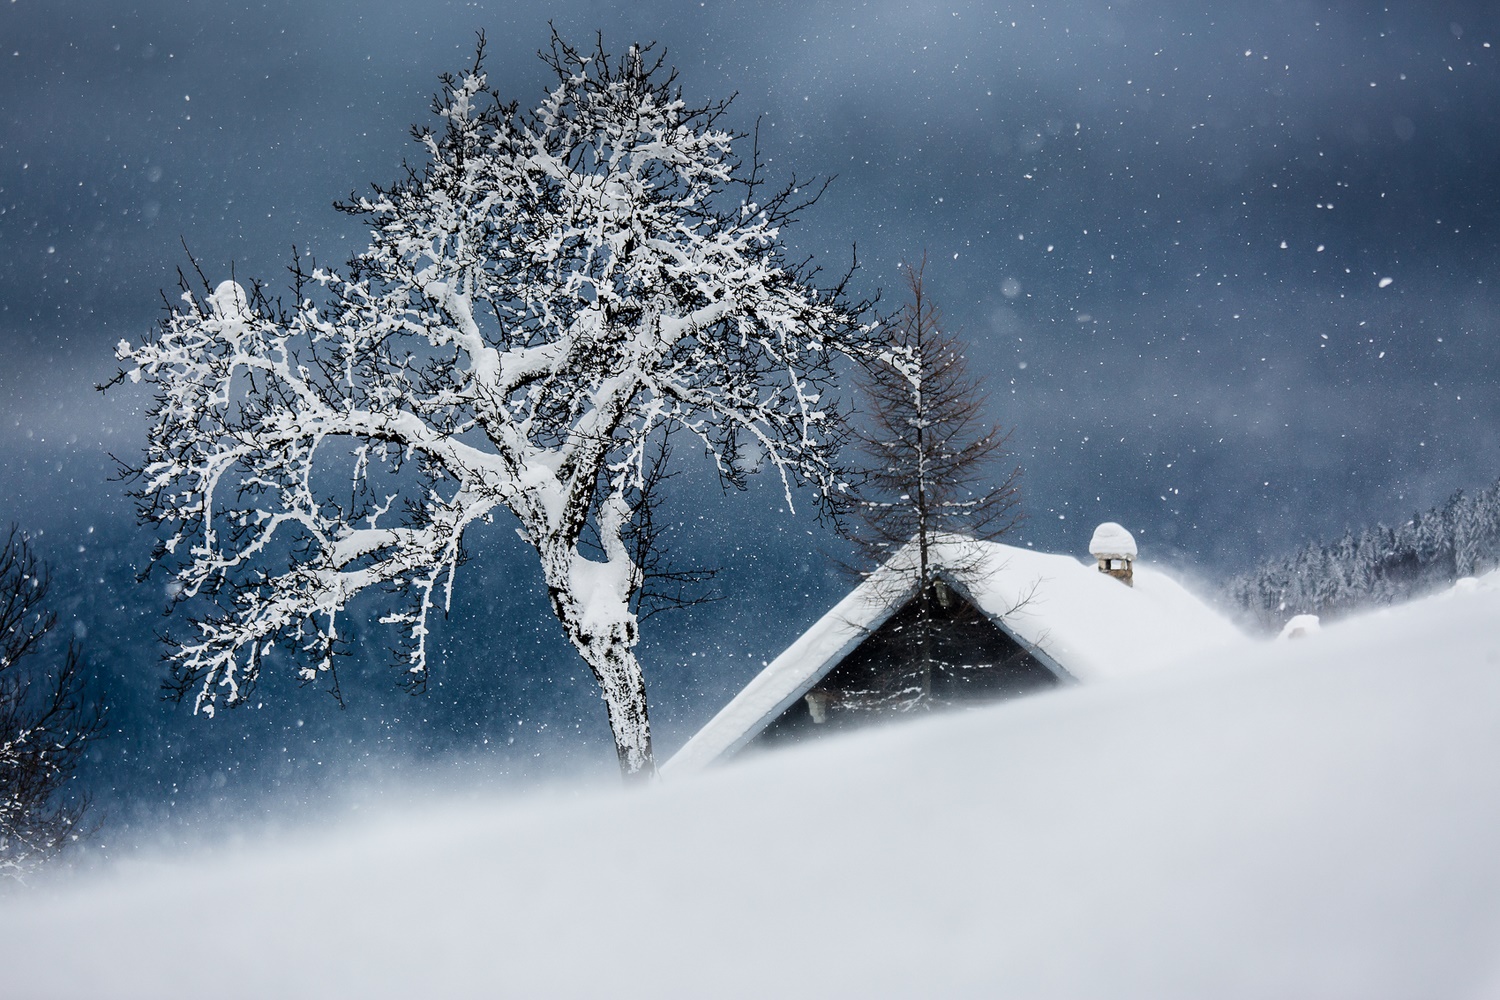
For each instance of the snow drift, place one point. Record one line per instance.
(1310, 818)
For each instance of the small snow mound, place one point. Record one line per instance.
(1300, 627)
(1110, 539)
(1483, 583)
(229, 301)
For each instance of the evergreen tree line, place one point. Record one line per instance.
(1378, 566)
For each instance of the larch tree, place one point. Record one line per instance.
(544, 298)
(936, 474)
(47, 719)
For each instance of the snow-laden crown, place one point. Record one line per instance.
(539, 304)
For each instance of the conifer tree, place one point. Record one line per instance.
(1381, 565)
(935, 473)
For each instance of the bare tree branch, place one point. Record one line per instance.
(46, 720)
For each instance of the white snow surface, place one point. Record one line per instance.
(1089, 625)
(1300, 625)
(1308, 819)
(229, 301)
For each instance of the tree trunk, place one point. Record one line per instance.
(611, 658)
(623, 687)
(605, 634)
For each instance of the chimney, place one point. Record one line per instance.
(1114, 547)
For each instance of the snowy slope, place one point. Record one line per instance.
(1315, 818)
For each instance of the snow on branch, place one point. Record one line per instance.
(544, 296)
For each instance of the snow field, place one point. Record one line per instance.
(1313, 818)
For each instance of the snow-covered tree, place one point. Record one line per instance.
(933, 467)
(543, 299)
(46, 719)
(1380, 565)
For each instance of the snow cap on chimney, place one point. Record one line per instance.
(1114, 547)
(1110, 539)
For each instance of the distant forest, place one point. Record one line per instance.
(1377, 566)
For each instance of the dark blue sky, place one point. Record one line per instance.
(1129, 199)
(1164, 230)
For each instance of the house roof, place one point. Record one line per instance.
(1080, 623)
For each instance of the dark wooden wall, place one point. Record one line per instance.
(972, 660)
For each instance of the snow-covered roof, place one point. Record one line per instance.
(1080, 623)
(1111, 539)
